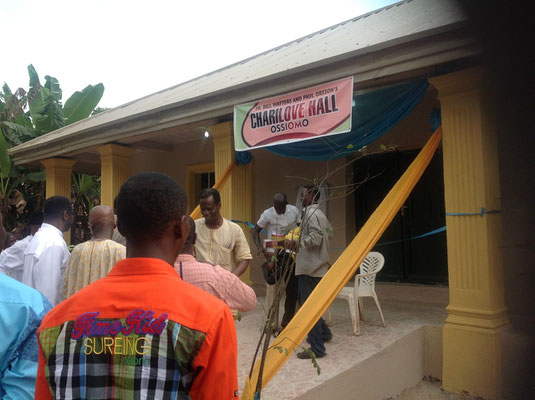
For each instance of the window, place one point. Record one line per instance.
(199, 177)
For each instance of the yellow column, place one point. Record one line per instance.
(114, 170)
(237, 195)
(476, 313)
(59, 181)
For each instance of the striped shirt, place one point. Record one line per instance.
(217, 281)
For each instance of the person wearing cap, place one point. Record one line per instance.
(12, 258)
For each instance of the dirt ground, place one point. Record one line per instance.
(430, 390)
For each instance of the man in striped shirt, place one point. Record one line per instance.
(213, 279)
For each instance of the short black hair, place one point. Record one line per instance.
(314, 190)
(205, 193)
(36, 218)
(55, 206)
(280, 194)
(147, 203)
(191, 237)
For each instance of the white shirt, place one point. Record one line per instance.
(44, 263)
(279, 224)
(12, 258)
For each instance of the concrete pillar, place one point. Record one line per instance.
(476, 313)
(59, 181)
(237, 195)
(114, 170)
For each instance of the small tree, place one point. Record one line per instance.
(25, 115)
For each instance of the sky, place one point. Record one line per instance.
(136, 48)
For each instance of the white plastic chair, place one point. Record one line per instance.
(364, 287)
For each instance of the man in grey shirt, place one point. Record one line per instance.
(312, 263)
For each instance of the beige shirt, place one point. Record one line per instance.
(90, 261)
(225, 246)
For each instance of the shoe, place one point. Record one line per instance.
(305, 355)
(328, 338)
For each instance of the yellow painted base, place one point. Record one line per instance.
(472, 361)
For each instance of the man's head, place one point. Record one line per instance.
(58, 212)
(310, 195)
(35, 221)
(280, 201)
(190, 240)
(101, 222)
(210, 204)
(151, 211)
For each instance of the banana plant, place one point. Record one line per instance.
(27, 115)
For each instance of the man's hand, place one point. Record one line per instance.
(290, 244)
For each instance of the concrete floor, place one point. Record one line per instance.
(405, 307)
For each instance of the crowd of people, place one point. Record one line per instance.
(154, 318)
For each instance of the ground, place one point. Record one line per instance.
(429, 389)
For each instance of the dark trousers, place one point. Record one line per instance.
(320, 331)
(290, 302)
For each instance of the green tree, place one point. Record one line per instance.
(25, 115)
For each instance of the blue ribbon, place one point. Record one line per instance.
(433, 232)
(481, 213)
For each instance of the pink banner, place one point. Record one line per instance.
(302, 115)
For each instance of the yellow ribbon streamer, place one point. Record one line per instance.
(342, 270)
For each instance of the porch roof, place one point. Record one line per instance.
(395, 42)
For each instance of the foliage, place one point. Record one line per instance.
(85, 195)
(25, 115)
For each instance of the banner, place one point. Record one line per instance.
(306, 114)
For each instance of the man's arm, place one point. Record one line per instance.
(256, 238)
(233, 291)
(47, 274)
(18, 378)
(12, 258)
(241, 267)
(241, 252)
(314, 234)
(217, 361)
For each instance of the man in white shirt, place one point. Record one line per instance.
(278, 221)
(47, 254)
(12, 258)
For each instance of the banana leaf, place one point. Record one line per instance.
(5, 160)
(52, 84)
(81, 104)
(17, 134)
(46, 112)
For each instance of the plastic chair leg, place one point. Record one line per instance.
(329, 317)
(361, 310)
(354, 316)
(379, 308)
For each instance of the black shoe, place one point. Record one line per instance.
(306, 354)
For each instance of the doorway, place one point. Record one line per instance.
(407, 259)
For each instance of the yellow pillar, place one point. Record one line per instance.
(476, 313)
(59, 181)
(237, 195)
(114, 170)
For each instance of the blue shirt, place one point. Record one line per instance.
(21, 311)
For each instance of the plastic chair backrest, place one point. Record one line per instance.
(372, 264)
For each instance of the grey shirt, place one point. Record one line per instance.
(313, 256)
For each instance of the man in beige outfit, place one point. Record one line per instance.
(92, 260)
